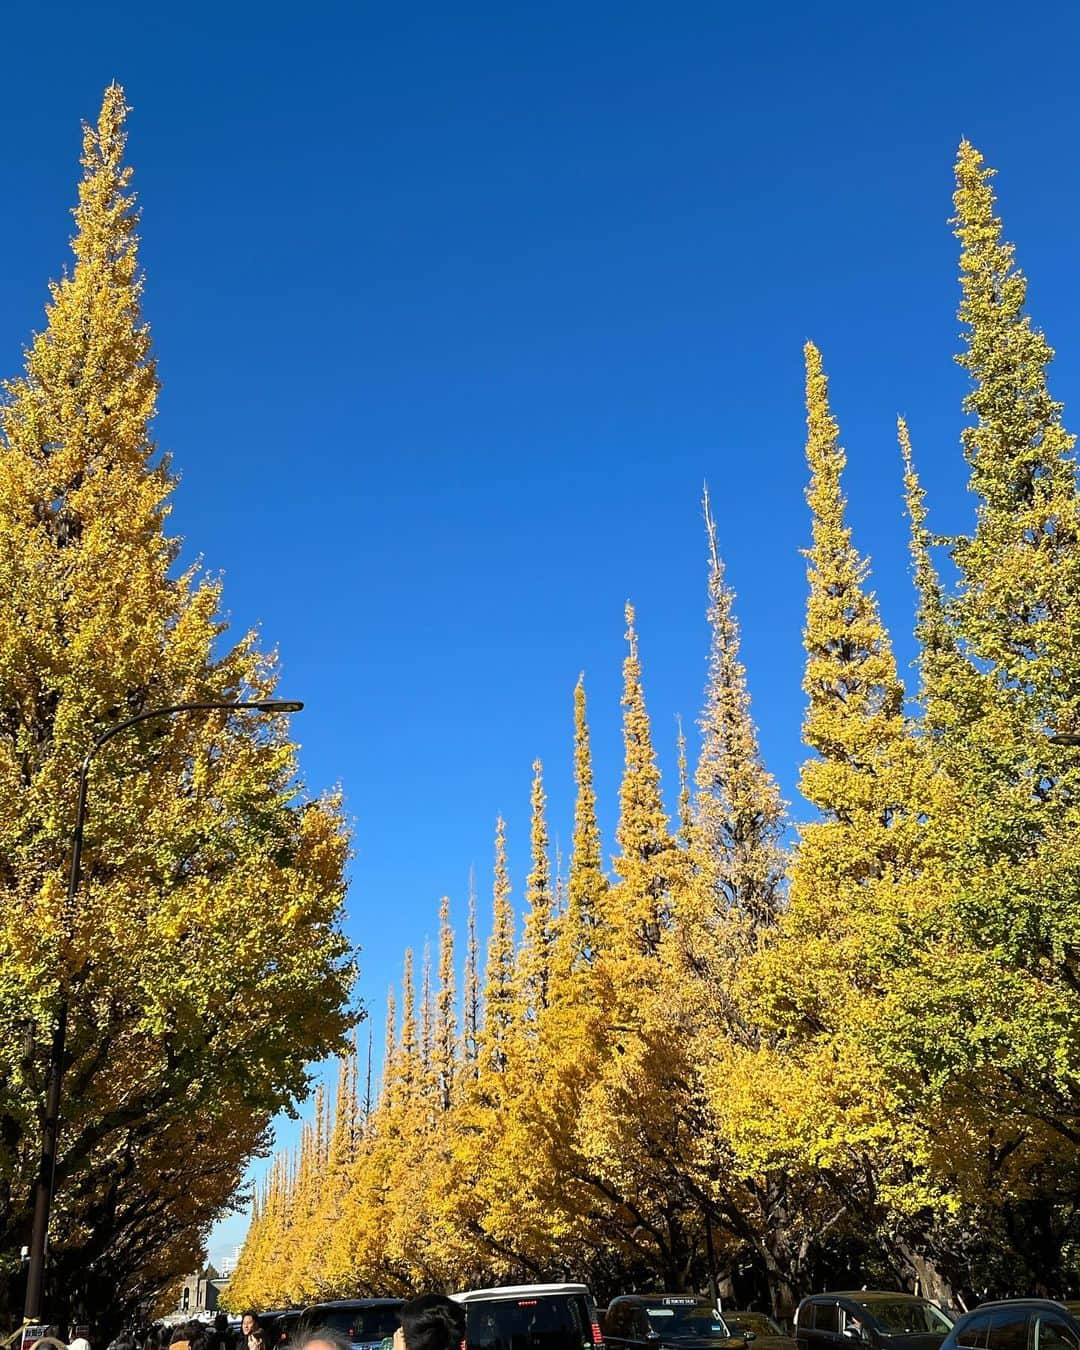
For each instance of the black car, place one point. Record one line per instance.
(653, 1321)
(1016, 1324)
(760, 1328)
(279, 1326)
(366, 1321)
(880, 1320)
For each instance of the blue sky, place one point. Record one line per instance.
(457, 305)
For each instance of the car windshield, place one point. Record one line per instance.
(756, 1322)
(908, 1316)
(362, 1324)
(693, 1319)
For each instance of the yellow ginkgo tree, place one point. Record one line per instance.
(204, 964)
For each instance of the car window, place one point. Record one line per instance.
(1008, 1329)
(676, 1321)
(853, 1323)
(973, 1333)
(907, 1316)
(759, 1323)
(361, 1324)
(826, 1317)
(527, 1324)
(1053, 1332)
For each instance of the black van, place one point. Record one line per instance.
(882, 1321)
(656, 1321)
(366, 1321)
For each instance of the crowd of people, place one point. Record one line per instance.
(429, 1322)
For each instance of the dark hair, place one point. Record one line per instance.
(432, 1322)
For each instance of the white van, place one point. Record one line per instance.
(531, 1317)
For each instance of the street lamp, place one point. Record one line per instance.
(50, 1129)
(1066, 738)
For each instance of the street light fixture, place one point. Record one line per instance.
(1066, 738)
(50, 1128)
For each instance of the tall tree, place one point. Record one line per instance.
(427, 1029)
(388, 1088)
(859, 893)
(648, 858)
(446, 1069)
(685, 795)
(196, 845)
(533, 974)
(471, 1014)
(936, 636)
(408, 1052)
(1020, 571)
(499, 985)
(738, 812)
(581, 928)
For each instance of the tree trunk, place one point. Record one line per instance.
(926, 1276)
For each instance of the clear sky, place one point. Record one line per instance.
(457, 305)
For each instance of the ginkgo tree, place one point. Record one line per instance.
(209, 877)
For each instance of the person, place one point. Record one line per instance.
(430, 1322)
(81, 1339)
(322, 1338)
(248, 1323)
(219, 1338)
(188, 1336)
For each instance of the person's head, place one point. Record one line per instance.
(196, 1335)
(221, 1322)
(323, 1338)
(430, 1322)
(249, 1322)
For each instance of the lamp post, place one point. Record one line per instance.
(1066, 738)
(50, 1129)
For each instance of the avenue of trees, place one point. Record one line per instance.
(207, 872)
(852, 1059)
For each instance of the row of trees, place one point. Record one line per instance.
(207, 877)
(854, 1059)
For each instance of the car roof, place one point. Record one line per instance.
(518, 1291)
(1019, 1303)
(651, 1298)
(866, 1295)
(358, 1303)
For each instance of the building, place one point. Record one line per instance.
(228, 1264)
(199, 1293)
